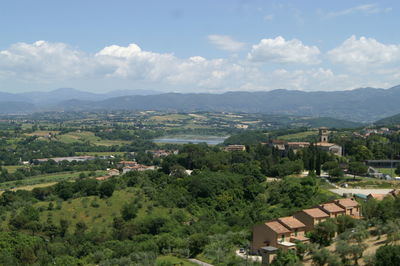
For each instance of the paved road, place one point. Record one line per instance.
(364, 191)
(199, 262)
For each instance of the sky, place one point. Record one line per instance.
(199, 45)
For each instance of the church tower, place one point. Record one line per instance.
(323, 134)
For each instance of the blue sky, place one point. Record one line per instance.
(194, 46)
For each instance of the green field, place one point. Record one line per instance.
(12, 168)
(86, 136)
(57, 177)
(100, 153)
(298, 136)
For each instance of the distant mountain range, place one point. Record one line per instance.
(360, 105)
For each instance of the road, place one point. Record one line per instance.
(199, 262)
(364, 191)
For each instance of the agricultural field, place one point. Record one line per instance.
(85, 136)
(301, 136)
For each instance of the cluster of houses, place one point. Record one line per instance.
(283, 233)
(161, 153)
(366, 132)
(323, 144)
(128, 166)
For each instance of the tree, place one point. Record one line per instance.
(357, 168)
(106, 189)
(387, 255)
(324, 232)
(285, 258)
(197, 242)
(320, 256)
(129, 211)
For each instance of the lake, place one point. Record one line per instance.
(184, 139)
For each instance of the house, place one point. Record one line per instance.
(272, 234)
(350, 205)
(122, 164)
(311, 217)
(332, 209)
(295, 146)
(137, 167)
(331, 147)
(280, 145)
(377, 196)
(296, 227)
(235, 148)
(383, 163)
(113, 172)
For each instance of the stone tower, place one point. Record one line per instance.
(323, 134)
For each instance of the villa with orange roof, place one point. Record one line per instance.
(350, 205)
(311, 217)
(272, 234)
(297, 228)
(332, 209)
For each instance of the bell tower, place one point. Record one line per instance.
(323, 134)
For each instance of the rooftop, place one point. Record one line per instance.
(332, 207)
(277, 227)
(347, 203)
(316, 213)
(291, 222)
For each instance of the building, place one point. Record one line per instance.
(311, 217)
(295, 146)
(330, 147)
(235, 148)
(272, 234)
(278, 144)
(332, 209)
(296, 227)
(284, 232)
(383, 163)
(122, 164)
(350, 205)
(323, 134)
(377, 196)
(137, 167)
(68, 159)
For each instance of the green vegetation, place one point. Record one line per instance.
(59, 213)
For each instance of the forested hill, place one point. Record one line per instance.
(362, 105)
(391, 120)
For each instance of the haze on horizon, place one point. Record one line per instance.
(202, 46)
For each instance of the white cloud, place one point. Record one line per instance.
(364, 52)
(364, 9)
(279, 50)
(45, 65)
(225, 43)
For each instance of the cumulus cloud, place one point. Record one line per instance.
(364, 52)
(43, 61)
(49, 65)
(225, 42)
(283, 51)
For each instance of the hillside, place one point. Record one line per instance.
(391, 120)
(360, 105)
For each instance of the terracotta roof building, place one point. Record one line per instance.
(311, 217)
(332, 209)
(350, 205)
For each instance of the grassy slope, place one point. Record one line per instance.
(298, 136)
(85, 136)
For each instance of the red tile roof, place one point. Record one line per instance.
(316, 213)
(277, 227)
(332, 208)
(291, 222)
(347, 203)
